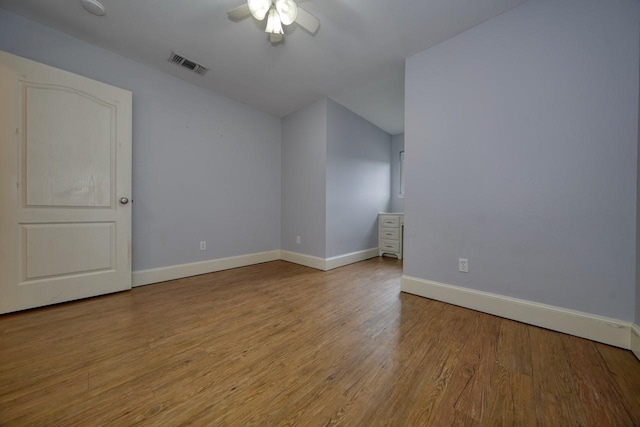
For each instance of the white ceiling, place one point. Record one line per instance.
(356, 57)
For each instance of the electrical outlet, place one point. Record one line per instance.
(298, 239)
(463, 265)
(203, 246)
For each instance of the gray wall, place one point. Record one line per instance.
(397, 145)
(304, 160)
(523, 140)
(204, 167)
(637, 318)
(358, 174)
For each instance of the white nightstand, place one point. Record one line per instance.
(390, 230)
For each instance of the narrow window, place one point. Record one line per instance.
(401, 193)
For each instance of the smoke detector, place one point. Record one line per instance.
(93, 6)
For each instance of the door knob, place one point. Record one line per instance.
(124, 200)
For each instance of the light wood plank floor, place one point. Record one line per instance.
(282, 344)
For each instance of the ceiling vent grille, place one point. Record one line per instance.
(189, 65)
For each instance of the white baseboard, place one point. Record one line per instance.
(328, 263)
(635, 340)
(162, 274)
(306, 260)
(597, 328)
(172, 272)
(346, 259)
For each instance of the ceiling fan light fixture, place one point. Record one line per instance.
(274, 26)
(277, 14)
(259, 8)
(288, 11)
(93, 6)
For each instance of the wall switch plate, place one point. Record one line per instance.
(297, 239)
(203, 246)
(463, 265)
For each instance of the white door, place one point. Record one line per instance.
(65, 181)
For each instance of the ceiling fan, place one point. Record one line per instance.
(277, 12)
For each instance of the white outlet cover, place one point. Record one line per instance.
(463, 265)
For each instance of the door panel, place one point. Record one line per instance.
(77, 169)
(65, 160)
(65, 249)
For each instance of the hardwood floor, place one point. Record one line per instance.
(282, 344)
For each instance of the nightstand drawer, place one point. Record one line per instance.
(389, 233)
(389, 221)
(389, 245)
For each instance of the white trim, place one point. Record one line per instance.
(306, 260)
(172, 272)
(635, 340)
(328, 263)
(597, 328)
(346, 259)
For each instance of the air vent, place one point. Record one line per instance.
(189, 65)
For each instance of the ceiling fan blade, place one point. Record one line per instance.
(307, 21)
(239, 12)
(275, 38)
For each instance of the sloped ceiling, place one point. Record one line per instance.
(356, 57)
